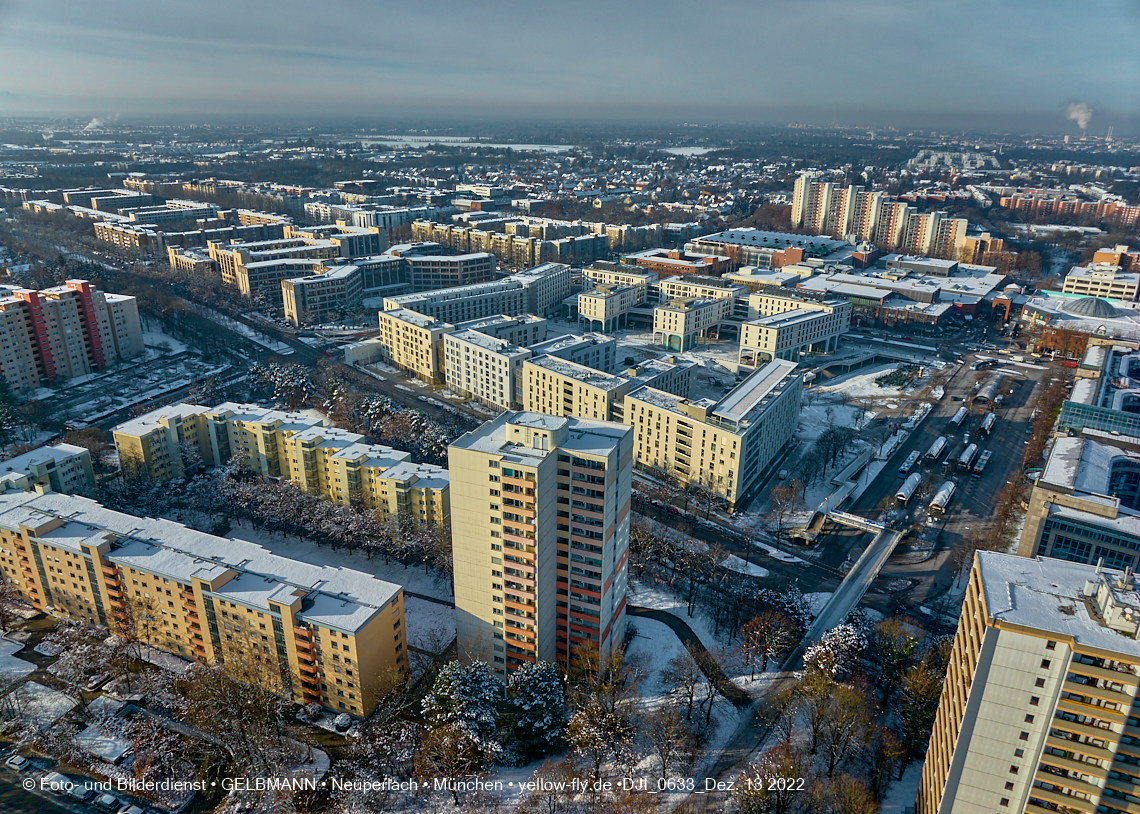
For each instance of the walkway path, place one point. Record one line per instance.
(709, 666)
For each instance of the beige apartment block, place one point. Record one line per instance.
(723, 445)
(1039, 706)
(62, 468)
(680, 325)
(559, 387)
(413, 342)
(596, 350)
(613, 274)
(791, 334)
(604, 306)
(308, 632)
(540, 538)
(483, 367)
(327, 461)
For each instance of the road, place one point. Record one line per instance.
(849, 593)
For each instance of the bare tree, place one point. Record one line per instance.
(786, 499)
(670, 736)
(683, 673)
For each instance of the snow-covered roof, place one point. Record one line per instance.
(176, 552)
(143, 424)
(1046, 594)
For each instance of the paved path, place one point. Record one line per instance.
(709, 666)
(855, 584)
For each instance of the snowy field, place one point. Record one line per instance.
(861, 384)
(431, 626)
(413, 578)
(734, 563)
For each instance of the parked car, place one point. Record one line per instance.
(81, 791)
(56, 783)
(342, 722)
(99, 680)
(18, 763)
(107, 802)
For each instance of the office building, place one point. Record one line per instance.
(483, 367)
(338, 287)
(534, 291)
(309, 632)
(670, 262)
(680, 325)
(792, 333)
(327, 461)
(723, 445)
(1084, 504)
(1104, 280)
(540, 538)
(1037, 712)
(62, 468)
(558, 387)
(754, 247)
(64, 331)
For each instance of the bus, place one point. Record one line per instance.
(909, 463)
(936, 449)
(968, 456)
(980, 466)
(907, 490)
(942, 497)
(988, 423)
(959, 417)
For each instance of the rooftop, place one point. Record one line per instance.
(179, 553)
(586, 375)
(141, 425)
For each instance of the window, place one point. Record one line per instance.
(1009, 785)
(1004, 801)
(1018, 753)
(1050, 645)
(1045, 664)
(1039, 682)
(1013, 769)
(1034, 700)
(1028, 719)
(1024, 736)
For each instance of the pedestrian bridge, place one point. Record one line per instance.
(855, 521)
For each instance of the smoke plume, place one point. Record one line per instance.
(1079, 112)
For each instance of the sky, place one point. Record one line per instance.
(951, 64)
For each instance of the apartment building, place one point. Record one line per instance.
(1104, 280)
(755, 247)
(524, 330)
(311, 633)
(431, 272)
(594, 350)
(723, 445)
(546, 286)
(606, 305)
(62, 468)
(791, 334)
(674, 261)
(483, 367)
(64, 331)
(466, 302)
(1039, 709)
(413, 342)
(331, 462)
(681, 324)
(614, 274)
(557, 387)
(540, 538)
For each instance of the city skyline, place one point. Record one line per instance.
(884, 63)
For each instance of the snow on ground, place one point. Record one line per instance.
(814, 420)
(167, 661)
(12, 668)
(734, 563)
(861, 384)
(412, 578)
(103, 744)
(153, 338)
(902, 793)
(654, 646)
(816, 601)
(42, 706)
(431, 626)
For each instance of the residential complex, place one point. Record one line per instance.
(540, 538)
(1039, 707)
(723, 445)
(65, 331)
(483, 367)
(313, 633)
(413, 342)
(788, 334)
(531, 292)
(559, 387)
(605, 307)
(327, 461)
(680, 325)
(62, 468)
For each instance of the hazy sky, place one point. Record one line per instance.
(946, 63)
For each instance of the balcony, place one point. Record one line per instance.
(110, 570)
(1119, 676)
(1090, 710)
(1074, 765)
(1103, 693)
(187, 597)
(114, 592)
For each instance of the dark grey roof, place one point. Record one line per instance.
(1091, 307)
